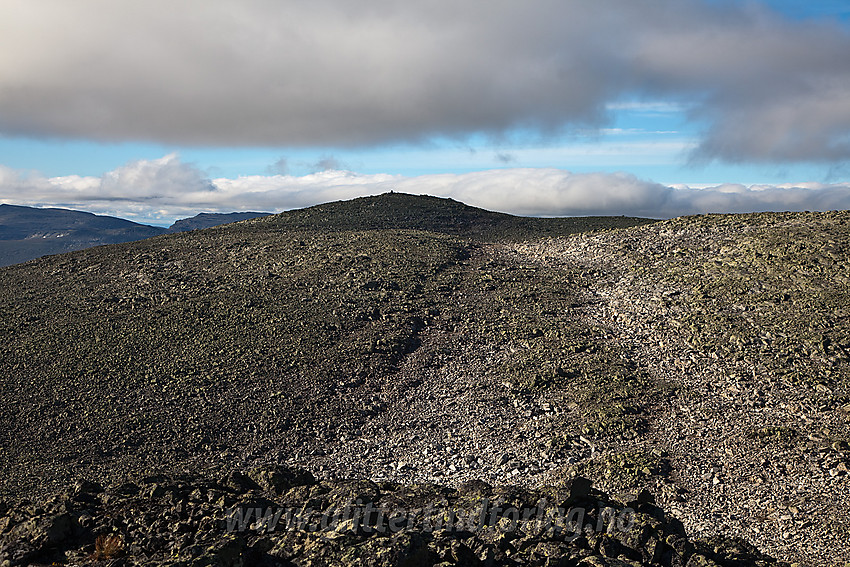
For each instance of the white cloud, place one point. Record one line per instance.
(335, 72)
(162, 190)
(165, 179)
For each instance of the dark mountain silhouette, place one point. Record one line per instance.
(208, 220)
(28, 232)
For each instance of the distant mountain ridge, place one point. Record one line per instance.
(20, 223)
(209, 220)
(27, 233)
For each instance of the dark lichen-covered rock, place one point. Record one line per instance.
(280, 479)
(353, 522)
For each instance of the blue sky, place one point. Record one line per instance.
(125, 111)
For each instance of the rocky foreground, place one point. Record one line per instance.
(415, 342)
(280, 516)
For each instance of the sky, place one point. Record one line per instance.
(158, 110)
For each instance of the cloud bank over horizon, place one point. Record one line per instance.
(163, 190)
(762, 88)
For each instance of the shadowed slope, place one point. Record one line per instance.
(27, 232)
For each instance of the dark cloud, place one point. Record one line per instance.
(333, 72)
(505, 157)
(280, 167)
(327, 163)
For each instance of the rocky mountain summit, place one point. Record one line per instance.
(412, 342)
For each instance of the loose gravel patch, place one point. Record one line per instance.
(748, 316)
